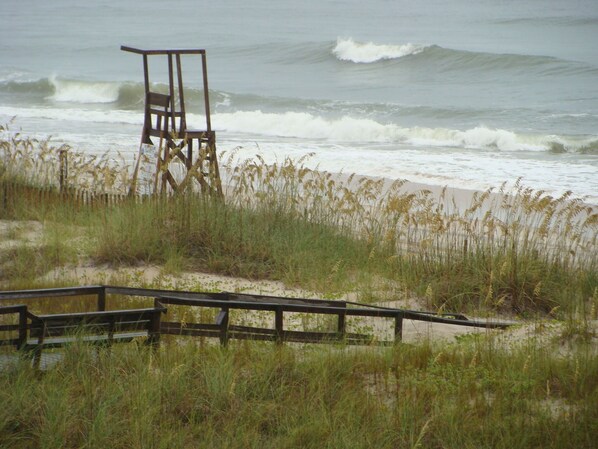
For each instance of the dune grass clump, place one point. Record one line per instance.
(251, 395)
(513, 249)
(40, 163)
(207, 234)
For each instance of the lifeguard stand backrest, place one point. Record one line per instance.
(158, 116)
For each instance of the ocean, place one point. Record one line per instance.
(468, 94)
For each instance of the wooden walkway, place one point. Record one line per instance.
(196, 314)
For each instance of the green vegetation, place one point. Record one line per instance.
(526, 253)
(251, 395)
(521, 252)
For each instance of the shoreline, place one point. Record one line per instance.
(453, 199)
(458, 199)
(420, 164)
(462, 193)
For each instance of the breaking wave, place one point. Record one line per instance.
(63, 90)
(68, 91)
(346, 129)
(358, 130)
(349, 50)
(439, 58)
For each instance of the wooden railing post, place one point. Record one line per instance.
(112, 328)
(102, 299)
(222, 320)
(342, 324)
(22, 327)
(155, 327)
(63, 170)
(399, 327)
(154, 338)
(279, 325)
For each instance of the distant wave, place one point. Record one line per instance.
(435, 57)
(32, 87)
(63, 90)
(550, 20)
(462, 60)
(69, 91)
(358, 52)
(123, 95)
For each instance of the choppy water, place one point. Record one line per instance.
(465, 93)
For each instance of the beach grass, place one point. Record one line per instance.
(508, 250)
(472, 394)
(520, 252)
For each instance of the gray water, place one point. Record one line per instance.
(464, 93)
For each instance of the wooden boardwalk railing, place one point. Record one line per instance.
(222, 327)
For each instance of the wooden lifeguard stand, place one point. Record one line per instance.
(165, 120)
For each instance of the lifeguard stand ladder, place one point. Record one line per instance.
(166, 121)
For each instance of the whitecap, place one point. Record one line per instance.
(69, 91)
(303, 125)
(349, 50)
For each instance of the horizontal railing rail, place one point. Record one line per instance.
(99, 291)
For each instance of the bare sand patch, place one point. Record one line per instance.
(19, 233)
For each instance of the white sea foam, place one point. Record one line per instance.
(225, 100)
(348, 129)
(74, 115)
(349, 50)
(309, 127)
(433, 155)
(20, 76)
(84, 92)
(456, 168)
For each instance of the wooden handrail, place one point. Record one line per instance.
(226, 301)
(51, 292)
(255, 302)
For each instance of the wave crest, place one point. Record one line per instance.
(69, 91)
(303, 125)
(365, 53)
